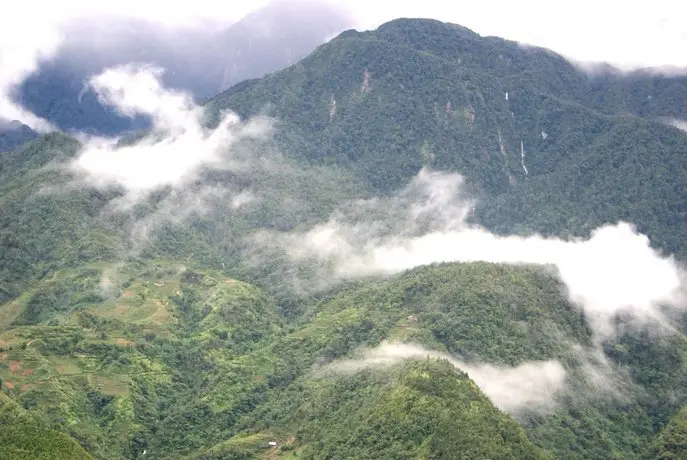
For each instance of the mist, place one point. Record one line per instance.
(613, 270)
(179, 146)
(429, 221)
(203, 53)
(183, 172)
(530, 385)
(679, 124)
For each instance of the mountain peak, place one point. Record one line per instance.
(14, 133)
(423, 25)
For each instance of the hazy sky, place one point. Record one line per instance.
(633, 33)
(624, 33)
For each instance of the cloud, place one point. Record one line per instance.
(531, 385)
(178, 149)
(241, 199)
(629, 35)
(677, 123)
(160, 177)
(24, 41)
(134, 90)
(33, 31)
(612, 270)
(175, 208)
(109, 281)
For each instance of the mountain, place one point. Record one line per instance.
(164, 349)
(420, 409)
(274, 37)
(417, 93)
(172, 361)
(672, 442)
(25, 437)
(202, 62)
(174, 324)
(13, 134)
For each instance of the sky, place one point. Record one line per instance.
(627, 34)
(624, 33)
(630, 33)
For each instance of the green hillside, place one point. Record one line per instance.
(44, 224)
(671, 443)
(14, 134)
(24, 436)
(421, 409)
(176, 361)
(169, 330)
(419, 93)
(435, 96)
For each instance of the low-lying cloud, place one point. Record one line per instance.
(179, 147)
(174, 209)
(612, 270)
(677, 123)
(161, 176)
(531, 385)
(429, 221)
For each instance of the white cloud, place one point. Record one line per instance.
(626, 34)
(614, 269)
(679, 124)
(32, 31)
(135, 90)
(24, 41)
(242, 199)
(531, 385)
(109, 280)
(180, 146)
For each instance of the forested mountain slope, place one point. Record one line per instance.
(171, 324)
(174, 361)
(25, 437)
(171, 360)
(548, 148)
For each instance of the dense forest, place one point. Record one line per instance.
(516, 122)
(179, 324)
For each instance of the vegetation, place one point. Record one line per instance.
(419, 93)
(169, 333)
(24, 437)
(421, 409)
(176, 361)
(671, 443)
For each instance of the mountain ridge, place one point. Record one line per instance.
(13, 134)
(169, 329)
(472, 130)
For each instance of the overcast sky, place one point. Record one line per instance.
(627, 34)
(633, 33)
